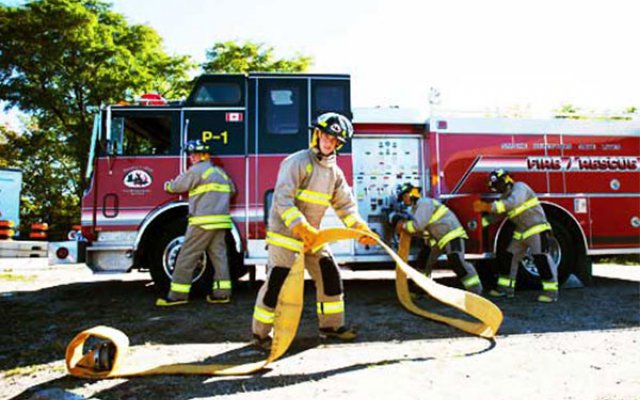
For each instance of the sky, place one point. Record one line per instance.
(490, 55)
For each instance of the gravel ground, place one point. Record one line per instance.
(584, 347)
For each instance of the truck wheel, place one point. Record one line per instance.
(562, 252)
(163, 257)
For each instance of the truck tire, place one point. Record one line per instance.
(562, 250)
(163, 256)
(567, 247)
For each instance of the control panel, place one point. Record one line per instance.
(380, 165)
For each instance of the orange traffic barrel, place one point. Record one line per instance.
(6, 229)
(39, 231)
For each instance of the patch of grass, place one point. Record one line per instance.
(17, 277)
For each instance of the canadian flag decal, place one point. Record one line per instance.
(233, 117)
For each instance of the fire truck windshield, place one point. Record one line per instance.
(219, 93)
(141, 135)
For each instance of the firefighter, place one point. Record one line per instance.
(309, 181)
(520, 204)
(210, 190)
(442, 230)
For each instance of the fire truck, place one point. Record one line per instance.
(585, 172)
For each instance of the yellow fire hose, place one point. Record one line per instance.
(287, 317)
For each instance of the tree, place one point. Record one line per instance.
(59, 61)
(569, 111)
(230, 57)
(49, 190)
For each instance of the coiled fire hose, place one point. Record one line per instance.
(108, 360)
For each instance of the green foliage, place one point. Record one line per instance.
(49, 190)
(59, 61)
(569, 111)
(230, 57)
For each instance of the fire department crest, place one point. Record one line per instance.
(137, 179)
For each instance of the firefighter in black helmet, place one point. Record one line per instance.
(332, 124)
(309, 181)
(521, 205)
(210, 190)
(442, 231)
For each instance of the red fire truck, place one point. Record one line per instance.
(586, 173)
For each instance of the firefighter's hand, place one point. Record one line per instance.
(481, 206)
(306, 232)
(167, 187)
(366, 240)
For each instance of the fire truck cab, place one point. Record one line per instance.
(584, 172)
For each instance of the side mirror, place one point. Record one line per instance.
(115, 136)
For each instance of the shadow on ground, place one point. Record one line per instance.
(38, 325)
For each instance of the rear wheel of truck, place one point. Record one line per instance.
(163, 257)
(561, 248)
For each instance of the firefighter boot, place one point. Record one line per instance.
(263, 344)
(548, 296)
(502, 292)
(549, 292)
(506, 287)
(168, 302)
(343, 333)
(218, 299)
(472, 283)
(464, 271)
(506, 284)
(548, 276)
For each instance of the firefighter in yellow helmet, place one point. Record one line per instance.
(521, 205)
(210, 190)
(309, 181)
(442, 231)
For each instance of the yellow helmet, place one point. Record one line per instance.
(407, 187)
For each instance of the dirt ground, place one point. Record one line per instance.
(587, 346)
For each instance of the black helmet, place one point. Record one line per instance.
(407, 187)
(499, 180)
(196, 146)
(334, 124)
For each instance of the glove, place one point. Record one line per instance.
(481, 206)
(167, 187)
(365, 240)
(306, 232)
